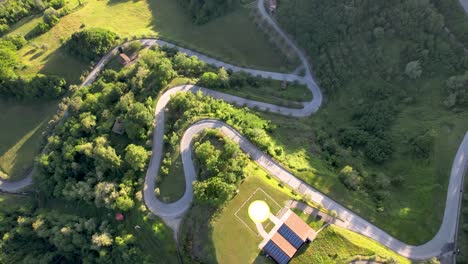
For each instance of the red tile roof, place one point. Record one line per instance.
(282, 243)
(298, 226)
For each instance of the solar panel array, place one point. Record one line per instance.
(290, 236)
(276, 253)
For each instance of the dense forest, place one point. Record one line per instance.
(388, 44)
(202, 11)
(50, 237)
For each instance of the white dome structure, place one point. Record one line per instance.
(259, 211)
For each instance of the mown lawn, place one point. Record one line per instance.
(233, 38)
(22, 124)
(244, 248)
(333, 245)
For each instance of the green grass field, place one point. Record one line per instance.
(273, 93)
(233, 38)
(242, 213)
(244, 249)
(335, 245)
(22, 124)
(228, 225)
(421, 199)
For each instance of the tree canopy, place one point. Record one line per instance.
(91, 44)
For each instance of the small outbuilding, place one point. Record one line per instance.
(124, 59)
(118, 127)
(288, 235)
(272, 5)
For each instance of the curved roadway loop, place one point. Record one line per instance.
(435, 247)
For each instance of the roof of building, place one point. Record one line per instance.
(281, 242)
(287, 236)
(124, 57)
(298, 225)
(118, 127)
(276, 253)
(119, 216)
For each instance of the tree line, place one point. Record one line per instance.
(24, 88)
(13, 11)
(46, 236)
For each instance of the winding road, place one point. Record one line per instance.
(441, 243)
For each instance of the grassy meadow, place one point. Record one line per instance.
(233, 38)
(22, 124)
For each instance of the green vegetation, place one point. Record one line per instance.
(84, 160)
(337, 245)
(213, 243)
(186, 108)
(18, 87)
(237, 39)
(383, 144)
(14, 10)
(203, 11)
(219, 170)
(455, 18)
(255, 88)
(20, 142)
(462, 243)
(51, 230)
(91, 44)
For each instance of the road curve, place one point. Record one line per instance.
(434, 247)
(16, 186)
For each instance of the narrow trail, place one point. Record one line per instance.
(172, 213)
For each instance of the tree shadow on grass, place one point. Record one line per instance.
(262, 259)
(37, 55)
(196, 234)
(21, 155)
(115, 2)
(63, 64)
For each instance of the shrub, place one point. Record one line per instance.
(90, 44)
(350, 178)
(51, 16)
(57, 4)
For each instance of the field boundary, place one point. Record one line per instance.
(248, 199)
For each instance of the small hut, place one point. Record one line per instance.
(124, 59)
(272, 5)
(118, 127)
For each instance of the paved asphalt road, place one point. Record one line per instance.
(464, 4)
(352, 221)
